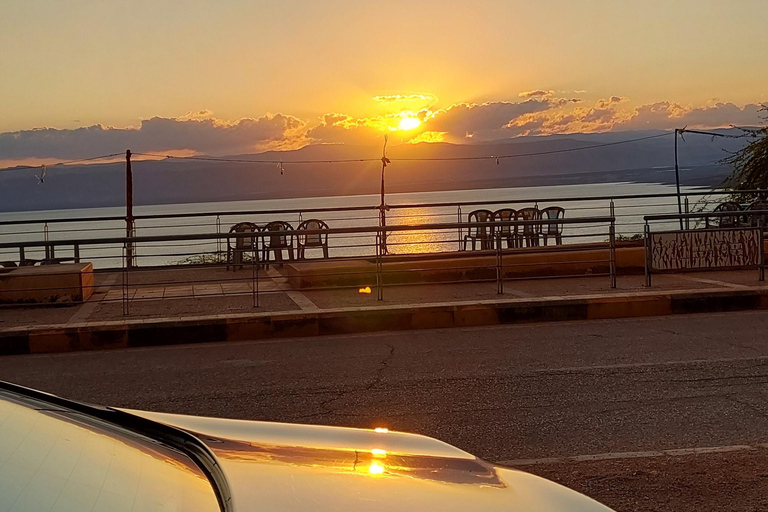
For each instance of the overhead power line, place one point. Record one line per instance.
(538, 153)
(66, 162)
(272, 162)
(395, 159)
(281, 163)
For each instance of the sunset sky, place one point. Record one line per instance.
(235, 76)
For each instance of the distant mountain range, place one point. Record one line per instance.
(413, 169)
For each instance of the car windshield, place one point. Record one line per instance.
(57, 460)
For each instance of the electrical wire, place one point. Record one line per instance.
(282, 163)
(66, 162)
(438, 159)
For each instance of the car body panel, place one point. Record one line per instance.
(287, 467)
(55, 459)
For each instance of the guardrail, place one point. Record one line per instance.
(431, 251)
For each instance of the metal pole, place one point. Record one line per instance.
(677, 181)
(254, 273)
(128, 206)
(379, 277)
(612, 238)
(47, 247)
(383, 215)
(687, 211)
(461, 231)
(383, 205)
(647, 231)
(125, 282)
(499, 266)
(218, 232)
(761, 237)
(258, 267)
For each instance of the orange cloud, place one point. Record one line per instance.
(403, 98)
(199, 132)
(536, 94)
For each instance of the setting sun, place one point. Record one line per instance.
(409, 123)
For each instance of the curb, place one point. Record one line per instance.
(257, 326)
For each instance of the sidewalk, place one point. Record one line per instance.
(166, 309)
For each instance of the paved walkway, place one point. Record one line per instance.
(184, 292)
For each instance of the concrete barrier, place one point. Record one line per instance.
(582, 259)
(66, 282)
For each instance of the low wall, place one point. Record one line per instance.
(256, 326)
(68, 282)
(583, 259)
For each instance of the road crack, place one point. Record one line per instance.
(383, 365)
(326, 406)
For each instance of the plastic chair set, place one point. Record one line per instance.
(740, 217)
(515, 235)
(284, 238)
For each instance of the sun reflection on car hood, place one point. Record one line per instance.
(286, 467)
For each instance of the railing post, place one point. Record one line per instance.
(77, 253)
(612, 244)
(379, 277)
(126, 311)
(761, 237)
(461, 231)
(687, 211)
(218, 232)
(254, 273)
(647, 233)
(45, 237)
(612, 231)
(499, 266)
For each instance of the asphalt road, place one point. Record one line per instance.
(503, 393)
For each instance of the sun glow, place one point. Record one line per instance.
(409, 123)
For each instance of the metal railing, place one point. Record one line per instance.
(430, 258)
(693, 254)
(627, 209)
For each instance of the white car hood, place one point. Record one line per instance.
(273, 467)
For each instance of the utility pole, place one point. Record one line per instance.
(677, 181)
(128, 208)
(383, 206)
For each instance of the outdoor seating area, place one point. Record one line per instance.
(517, 235)
(276, 241)
(494, 241)
(741, 215)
